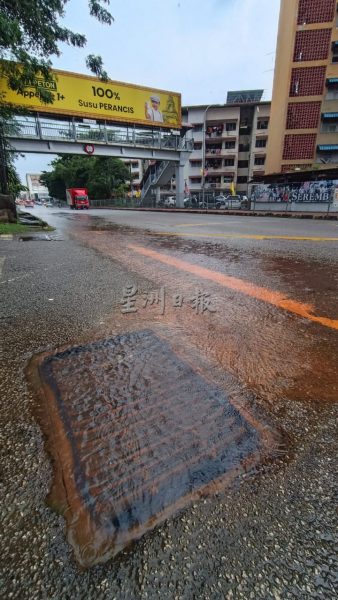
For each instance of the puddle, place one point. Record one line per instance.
(135, 434)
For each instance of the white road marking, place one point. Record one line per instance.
(2, 260)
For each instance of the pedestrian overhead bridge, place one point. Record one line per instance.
(170, 148)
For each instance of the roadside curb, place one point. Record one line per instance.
(252, 213)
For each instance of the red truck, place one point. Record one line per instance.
(77, 198)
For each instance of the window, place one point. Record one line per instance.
(229, 162)
(230, 145)
(329, 127)
(195, 163)
(332, 95)
(197, 127)
(195, 179)
(243, 164)
(242, 179)
(244, 147)
(260, 143)
(259, 160)
(197, 145)
(262, 124)
(230, 126)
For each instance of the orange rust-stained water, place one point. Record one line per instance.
(249, 289)
(284, 347)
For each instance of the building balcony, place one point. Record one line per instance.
(329, 122)
(260, 132)
(213, 152)
(221, 171)
(220, 153)
(195, 171)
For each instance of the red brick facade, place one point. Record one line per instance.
(303, 115)
(316, 11)
(312, 45)
(307, 81)
(300, 146)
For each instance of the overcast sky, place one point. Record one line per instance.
(200, 48)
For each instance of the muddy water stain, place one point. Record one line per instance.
(135, 434)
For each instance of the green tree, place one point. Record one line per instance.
(14, 184)
(30, 35)
(103, 176)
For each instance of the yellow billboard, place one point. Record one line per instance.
(85, 96)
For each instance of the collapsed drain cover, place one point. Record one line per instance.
(135, 434)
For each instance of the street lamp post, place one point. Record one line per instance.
(203, 151)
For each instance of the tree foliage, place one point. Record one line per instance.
(103, 176)
(31, 34)
(14, 184)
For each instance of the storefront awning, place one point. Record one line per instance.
(330, 115)
(332, 81)
(328, 147)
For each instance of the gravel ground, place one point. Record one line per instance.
(272, 536)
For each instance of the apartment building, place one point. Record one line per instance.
(303, 131)
(230, 140)
(137, 168)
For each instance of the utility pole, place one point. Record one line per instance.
(203, 151)
(3, 162)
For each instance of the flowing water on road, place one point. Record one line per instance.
(174, 403)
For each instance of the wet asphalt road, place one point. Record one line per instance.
(273, 534)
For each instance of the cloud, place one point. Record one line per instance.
(201, 48)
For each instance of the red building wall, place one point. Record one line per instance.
(303, 115)
(300, 146)
(307, 81)
(312, 45)
(316, 11)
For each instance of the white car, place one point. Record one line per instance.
(229, 202)
(170, 201)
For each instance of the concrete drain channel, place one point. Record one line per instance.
(135, 435)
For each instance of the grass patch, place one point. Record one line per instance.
(19, 228)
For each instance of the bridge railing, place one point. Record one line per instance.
(43, 128)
